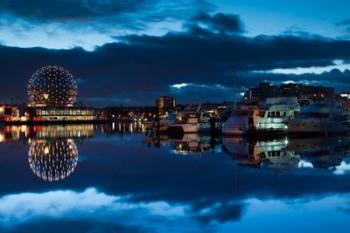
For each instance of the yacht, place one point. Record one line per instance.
(187, 122)
(164, 122)
(320, 118)
(191, 122)
(271, 116)
(167, 121)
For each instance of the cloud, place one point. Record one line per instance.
(100, 212)
(222, 23)
(222, 213)
(61, 19)
(77, 10)
(198, 93)
(338, 65)
(209, 52)
(56, 25)
(344, 24)
(138, 68)
(23, 209)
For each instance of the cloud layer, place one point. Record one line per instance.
(99, 212)
(132, 52)
(138, 68)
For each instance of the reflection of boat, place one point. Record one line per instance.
(272, 154)
(272, 116)
(284, 159)
(325, 161)
(53, 160)
(242, 151)
(192, 143)
(286, 153)
(188, 143)
(322, 152)
(320, 118)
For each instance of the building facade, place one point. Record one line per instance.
(301, 91)
(165, 104)
(52, 93)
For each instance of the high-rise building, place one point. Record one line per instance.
(261, 92)
(165, 104)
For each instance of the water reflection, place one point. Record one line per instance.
(326, 153)
(187, 144)
(26, 133)
(53, 153)
(271, 154)
(276, 154)
(209, 184)
(289, 153)
(53, 160)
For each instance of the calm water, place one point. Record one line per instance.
(114, 178)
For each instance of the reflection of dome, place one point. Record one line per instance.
(53, 160)
(52, 85)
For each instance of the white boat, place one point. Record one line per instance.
(167, 121)
(191, 122)
(271, 116)
(164, 123)
(237, 124)
(320, 118)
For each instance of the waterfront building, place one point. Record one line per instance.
(344, 99)
(60, 113)
(10, 112)
(52, 93)
(165, 104)
(301, 91)
(261, 92)
(306, 92)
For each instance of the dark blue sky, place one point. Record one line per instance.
(128, 52)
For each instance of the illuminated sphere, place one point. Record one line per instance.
(52, 85)
(53, 160)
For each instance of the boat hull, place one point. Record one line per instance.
(189, 128)
(316, 127)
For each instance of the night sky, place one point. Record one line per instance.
(129, 52)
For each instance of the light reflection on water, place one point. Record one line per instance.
(115, 178)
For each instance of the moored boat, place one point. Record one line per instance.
(320, 118)
(269, 118)
(193, 122)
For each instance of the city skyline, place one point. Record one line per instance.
(137, 115)
(130, 53)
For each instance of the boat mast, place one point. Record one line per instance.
(234, 96)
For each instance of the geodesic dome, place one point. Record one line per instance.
(52, 85)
